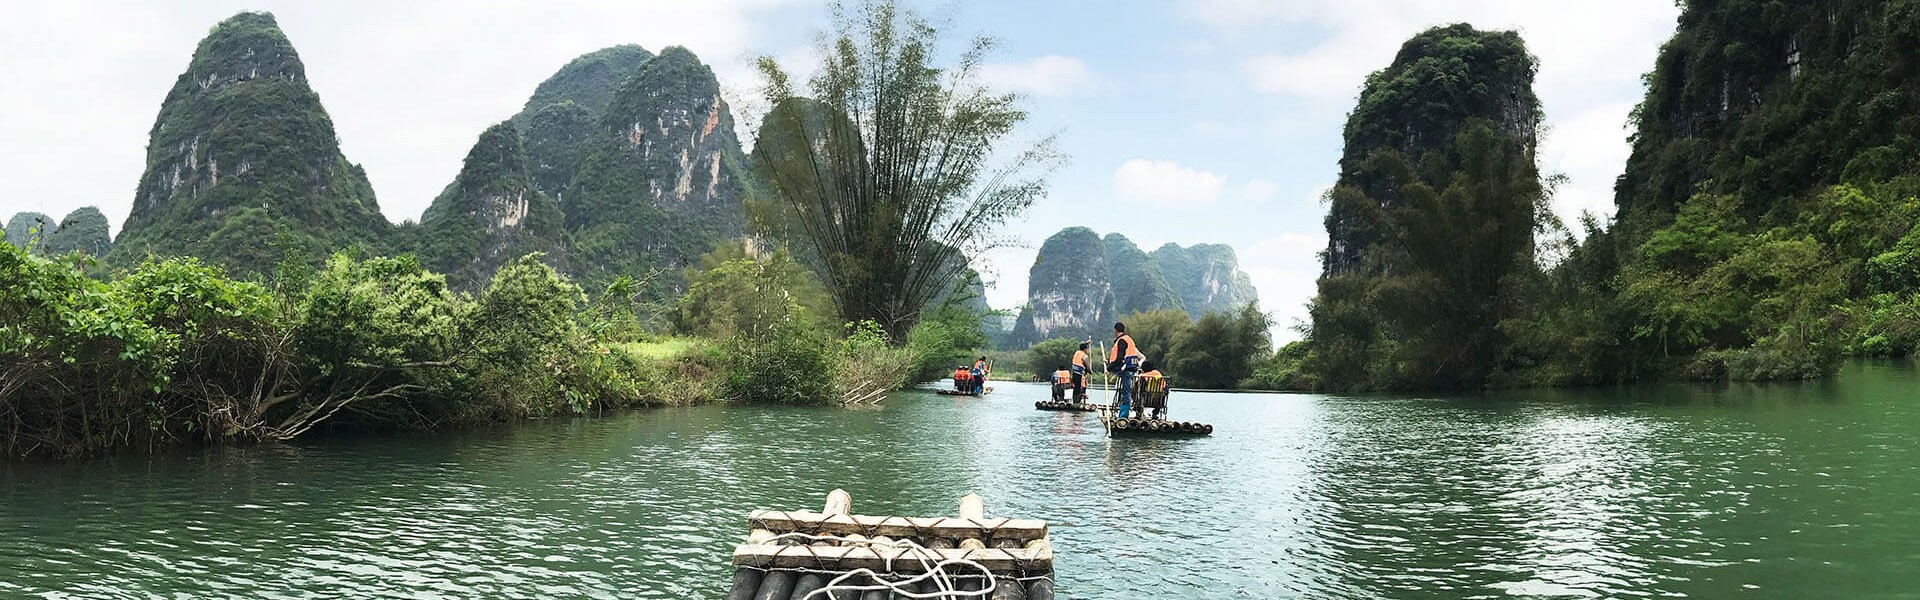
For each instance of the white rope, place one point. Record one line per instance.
(931, 565)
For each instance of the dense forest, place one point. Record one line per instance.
(1764, 226)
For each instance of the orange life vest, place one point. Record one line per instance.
(1062, 377)
(1152, 374)
(1132, 348)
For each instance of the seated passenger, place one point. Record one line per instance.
(1152, 391)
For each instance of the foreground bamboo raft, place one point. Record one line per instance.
(832, 554)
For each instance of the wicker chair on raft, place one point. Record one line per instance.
(1150, 399)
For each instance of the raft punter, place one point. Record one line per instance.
(980, 376)
(1080, 373)
(1123, 360)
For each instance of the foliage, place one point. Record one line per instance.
(889, 190)
(733, 294)
(1453, 252)
(1221, 350)
(870, 364)
(949, 336)
(1052, 355)
(1155, 331)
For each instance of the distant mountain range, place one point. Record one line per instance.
(1081, 283)
(623, 162)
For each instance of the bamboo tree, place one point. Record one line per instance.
(884, 169)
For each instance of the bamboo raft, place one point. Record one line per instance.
(949, 392)
(832, 554)
(1130, 426)
(1153, 402)
(1064, 405)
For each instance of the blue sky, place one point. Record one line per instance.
(1188, 121)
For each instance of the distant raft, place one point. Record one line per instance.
(831, 554)
(1063, 405)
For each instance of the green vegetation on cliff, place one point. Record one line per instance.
(490, 215)
(84, 231)
(660, 184)
(561, 116)
(27, 227)
(1081, 282)
(243, 166)
(1431, 230)
(1765, 225)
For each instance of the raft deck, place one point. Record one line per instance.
(1150, 427)
(832, 554)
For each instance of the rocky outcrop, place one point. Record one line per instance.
(1080, 284)
(243, 166)
(84, 231)
(1773, 104)
(560, 118)
(661, 183)
(1441, 80)
(1206, 277)
(491, 215)
(26, 226)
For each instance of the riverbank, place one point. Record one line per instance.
(176, 352)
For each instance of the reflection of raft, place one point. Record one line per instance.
(1063, 405)
(945, 392)
(833, 554)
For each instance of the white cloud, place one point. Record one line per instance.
(1257, 190)
(1591, 149)
(1165, 183)
(1285, 268)
(1051, 75)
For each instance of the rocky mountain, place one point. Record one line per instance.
(1081, 283)
(1206, 278)
(1771, 104)
(243, 164)
(26, 225)
(1439, 81)
(561, 116)
(491, 214)
(661, 180)
(84, 230)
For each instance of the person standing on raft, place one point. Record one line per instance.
(1080, 373)
(1123, 360)
(980, 376)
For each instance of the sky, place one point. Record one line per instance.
(1186, 121)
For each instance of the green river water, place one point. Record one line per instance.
(1776, 491)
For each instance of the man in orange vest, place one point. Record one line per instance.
(1080, 373)
(1124, 359)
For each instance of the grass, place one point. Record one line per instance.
(662, 349)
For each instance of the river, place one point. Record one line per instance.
(1755, 491)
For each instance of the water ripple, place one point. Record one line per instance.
(1668, 492)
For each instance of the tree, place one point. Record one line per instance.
(878, 169)
(1156, 331)
(1221, 349)
(1046, 357)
